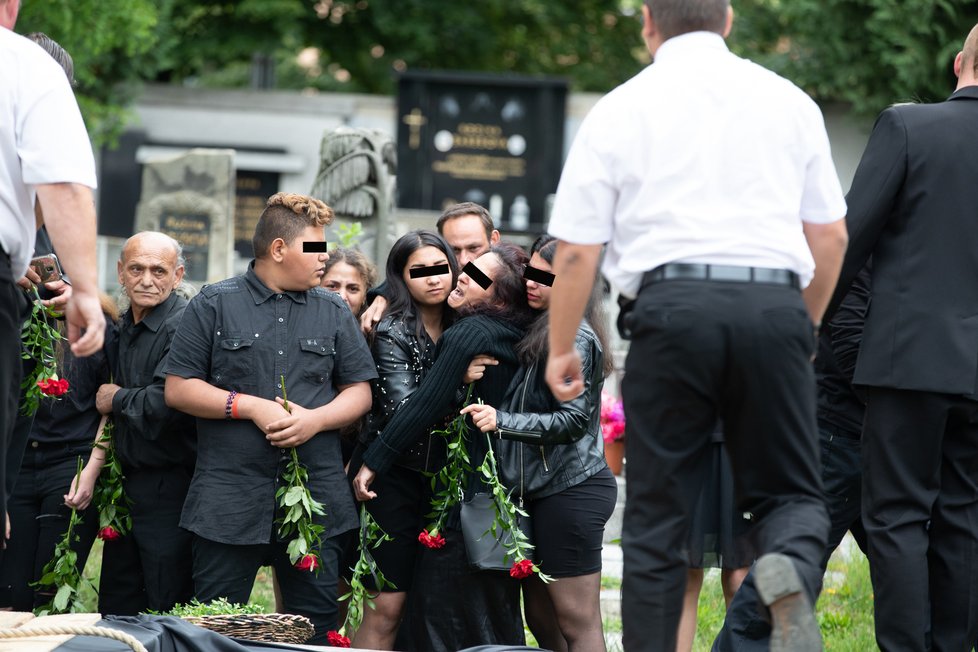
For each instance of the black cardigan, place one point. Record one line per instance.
(436, 397)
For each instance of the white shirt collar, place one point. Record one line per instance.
(678, 46)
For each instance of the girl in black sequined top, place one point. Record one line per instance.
(421, 272)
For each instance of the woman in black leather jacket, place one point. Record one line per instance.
(552, 455)
(421, 272)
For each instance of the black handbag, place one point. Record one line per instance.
(484, 550)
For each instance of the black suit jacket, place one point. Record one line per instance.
(913, 206)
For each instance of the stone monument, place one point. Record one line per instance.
(356, 179)
(191, 198)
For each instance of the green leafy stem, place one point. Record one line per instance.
(61, 574)
(40, 336)
(505, 526)
(109, 497)
(299, 508)
(448, 483)
(371, 536)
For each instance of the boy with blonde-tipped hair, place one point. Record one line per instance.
(238, 340)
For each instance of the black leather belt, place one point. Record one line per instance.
(723, 273)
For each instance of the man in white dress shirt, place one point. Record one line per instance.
(45, 155)
(711, 181)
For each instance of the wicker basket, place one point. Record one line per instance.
(269, 628)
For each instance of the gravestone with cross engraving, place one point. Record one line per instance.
(496, 140)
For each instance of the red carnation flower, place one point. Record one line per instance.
(308, 563)
(521, 569)
(336, 639)
(433, 540)
(109, 533)
(53, 387)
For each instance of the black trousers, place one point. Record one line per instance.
(11, 318)
(745, 629)
(920, 462)
(151, 567)
(703, 350)
(223, 570)
(38, 520)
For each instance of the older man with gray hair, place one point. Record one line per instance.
(150, 567)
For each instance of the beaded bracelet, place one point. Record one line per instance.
(228, 405)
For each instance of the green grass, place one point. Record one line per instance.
(610, 583)
(844, 610)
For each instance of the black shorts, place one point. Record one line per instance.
(568, 527)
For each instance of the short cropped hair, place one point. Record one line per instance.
(970, 50)
(468, 208)
(286, 216)
(675, 17)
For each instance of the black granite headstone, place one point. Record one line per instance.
(251, 193)
(496, 140)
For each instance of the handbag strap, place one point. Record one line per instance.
(521, 474)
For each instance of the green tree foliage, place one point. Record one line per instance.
(113, 44)
(870, 53)
(214, 41)
(359, 45)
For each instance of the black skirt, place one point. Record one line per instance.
(453, 607)
(718, 532)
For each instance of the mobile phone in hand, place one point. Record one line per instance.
(47, 267)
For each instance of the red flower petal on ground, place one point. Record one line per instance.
(336, 639)
(109, 533)
(307, 563)
(433, 541)
(521, 569)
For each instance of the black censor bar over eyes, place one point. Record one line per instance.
(313, 247)
(430, 270)
(476, 275)
(538, 276)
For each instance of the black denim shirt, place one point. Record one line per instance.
(238, 334)
(148, 433)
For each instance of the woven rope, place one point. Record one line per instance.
(75, 630)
